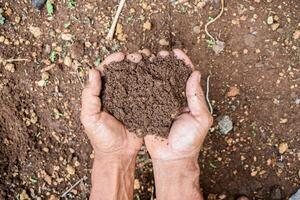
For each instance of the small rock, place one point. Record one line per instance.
(36, 31)
(41, 83)
(297, 101)
(137, 184)
(225, 125)
(147, 25)
(2, 38)
(119, 29)
(218, 47)
(163, 42)
(283, 121)
(295, 196)
(201, 4)
(68, 61)
(8, 11)
(17, 19)
(38, 3)
(276, 193)
(70, 170)
(270, 20)
(233, 91)
(196, 29)
(122, 37)
(24, 196)
(296, 35)
(275, 26)
(46, 177)
(249, 40)
(45, 76)
(66, 36)
(10, 67)
(283, 147)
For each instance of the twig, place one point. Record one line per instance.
(78, 76)
(111, 32)
(16, 60)
(207, 95)
(45, 69)
(212, 21)
(73, 186)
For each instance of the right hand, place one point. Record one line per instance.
(189, 129)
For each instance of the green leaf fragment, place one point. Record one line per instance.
(50, 7)
(53, 56)
(71, 4)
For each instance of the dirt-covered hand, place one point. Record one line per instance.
(190, 128)
(107, 134)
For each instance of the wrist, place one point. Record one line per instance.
(174, 177)
(112, 176)
(118, 156)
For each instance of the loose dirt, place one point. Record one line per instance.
(147, 96)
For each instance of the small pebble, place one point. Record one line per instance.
(24, 196)
(2, 38)
(296, 35)
(70, 170)
(233, 91)
(137, 184)
(147, 25)
(36, 31)
(225, 125)
(196, 29)
(68, 61)
(270, 20)
(10, 67)
(45, 76)
(275, 26)
(163, 42)
(17, 19)
(283, 147)
(66, 36)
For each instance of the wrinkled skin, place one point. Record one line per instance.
(113, 143)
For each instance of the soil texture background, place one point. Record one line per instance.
(254, 81)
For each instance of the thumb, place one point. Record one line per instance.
(91, 103)
(195, 96)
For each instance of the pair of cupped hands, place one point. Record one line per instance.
(110, 138)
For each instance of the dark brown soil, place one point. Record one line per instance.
(147, 96)
(261, 62)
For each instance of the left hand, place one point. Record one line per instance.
(108, 136)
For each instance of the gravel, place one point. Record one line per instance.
(225, 125)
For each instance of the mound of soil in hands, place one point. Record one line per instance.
(147, 96)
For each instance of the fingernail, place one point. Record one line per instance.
(90, 75)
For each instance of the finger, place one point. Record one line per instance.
(195, 96)
(163, 54)
(179, 54)
(134, 57)
(90, 96)
(114, 57)
(146, 52)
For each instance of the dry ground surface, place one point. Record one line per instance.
(255, 81)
